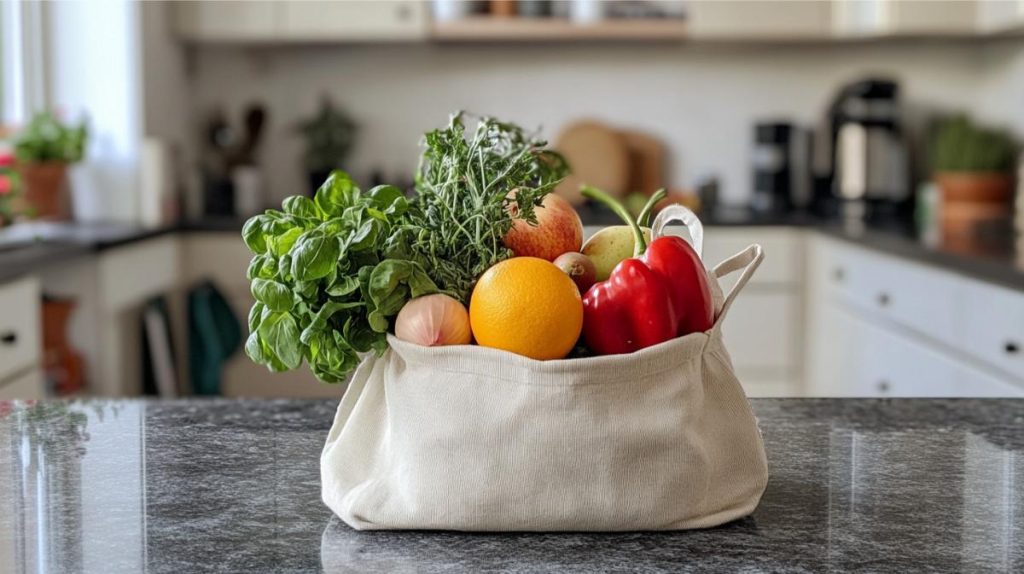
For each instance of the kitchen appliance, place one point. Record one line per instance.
(781, 163)
(861, 160)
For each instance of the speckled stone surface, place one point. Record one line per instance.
(233, 486)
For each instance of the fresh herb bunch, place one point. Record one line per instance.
(327, 277)
(463, 208)
(46, 139)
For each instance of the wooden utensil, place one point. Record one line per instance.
(598, 156)
(646, 162)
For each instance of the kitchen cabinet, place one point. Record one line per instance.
(296, 20)
(882, 326)
(354, 21)
(760, 20)
(226, 21)
(110, 289)
(20, 340)
(223, 259)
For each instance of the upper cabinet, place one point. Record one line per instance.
(301, 20)
(713, 20)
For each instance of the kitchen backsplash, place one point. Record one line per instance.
(701, 100)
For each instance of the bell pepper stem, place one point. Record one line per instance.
(639, 244)
(644, 218)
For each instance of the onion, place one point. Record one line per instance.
(433, 320)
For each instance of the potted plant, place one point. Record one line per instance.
(972, 165)
(330, 136)
(43, 150)
(8, 188)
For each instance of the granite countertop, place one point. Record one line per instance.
(915, 485)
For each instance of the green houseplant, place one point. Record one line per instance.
(973, 162)
(330, 136)
(972, 166)
(43, 150)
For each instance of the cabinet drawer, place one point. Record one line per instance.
(28, 385)
(783, 251)
(895, 366)
(20, 338)
(993, 326)
(912, 295)
(762, 332)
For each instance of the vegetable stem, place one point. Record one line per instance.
(639, 244)
(644, 218)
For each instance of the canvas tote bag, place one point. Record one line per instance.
(478, 439)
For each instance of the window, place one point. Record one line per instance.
(22, 62)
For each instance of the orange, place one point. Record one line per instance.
(527, 306)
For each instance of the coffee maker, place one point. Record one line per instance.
(861, 162)
(780, 158)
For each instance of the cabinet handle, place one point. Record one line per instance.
(883, 299)
(838, 274)
(883, 386)
(9, 338)
(1011, 347)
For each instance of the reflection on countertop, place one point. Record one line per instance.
(229, 486)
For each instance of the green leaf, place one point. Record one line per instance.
(389, 199)
(254, 348)
(252, 234)
(343, 286)
(281, 335)
(320, 320)
(262, 267)
(391, 284)
(276, 296)
(256, 315)
(337, 193)
(314, 255)
(284, 242)
(365, 237)
(301, 206)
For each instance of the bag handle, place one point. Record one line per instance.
(748, 260)
(676, 212)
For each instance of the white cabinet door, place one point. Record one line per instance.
(380, 20)
(228, 20)
(760, 19)
(28, 385)
(837, 352)
(993, 326)
(20, 334)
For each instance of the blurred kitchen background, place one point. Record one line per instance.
(871, 146)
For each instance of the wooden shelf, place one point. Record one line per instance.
(495, 29)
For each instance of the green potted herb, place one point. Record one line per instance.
(973, 163)
(330, 135)
(43, 150)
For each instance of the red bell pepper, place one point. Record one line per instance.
(658, 294)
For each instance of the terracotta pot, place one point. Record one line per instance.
(975, 187)
(63, 364)
(43, 186)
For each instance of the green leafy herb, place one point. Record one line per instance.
(324, 285)
(462, 211)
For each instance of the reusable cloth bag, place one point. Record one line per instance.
(472, 438)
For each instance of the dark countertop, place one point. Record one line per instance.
(914, 485)
(998, 259)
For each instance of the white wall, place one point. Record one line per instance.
(702, 100)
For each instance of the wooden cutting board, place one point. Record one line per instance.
(598, 156)
(646, 162)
